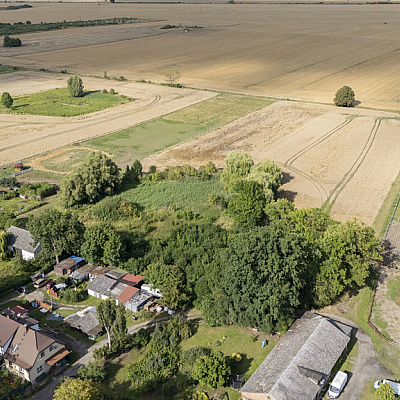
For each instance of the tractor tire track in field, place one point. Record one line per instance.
(330, 201)
(289, 163)
(156, 99)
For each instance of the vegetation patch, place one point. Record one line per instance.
(59, 103)
(28, 27)
(145, 139)
(65, 161)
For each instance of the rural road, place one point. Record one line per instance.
(47, 392)
(367, 367)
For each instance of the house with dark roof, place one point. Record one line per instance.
(69, 265)
(86, 322)
(133, 280)
(8, 327)
(301, 363)
(81, 274)
(32, 354)
(21, 242)
(101, 287)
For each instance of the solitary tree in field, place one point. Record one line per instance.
(75, 85)
(7, 100)
(344, 97)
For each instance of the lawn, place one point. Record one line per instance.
(7, 69)
(219, 110)
(59, 103)
(142, 140)
(238, 340)
(40, 176)
(190, 193)
(145, 139)
(10, 276)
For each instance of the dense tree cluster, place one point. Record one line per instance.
(11, 42)
(94, 179)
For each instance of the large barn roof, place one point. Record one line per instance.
(301, 361)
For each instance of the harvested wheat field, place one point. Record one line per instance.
(23, 136)
(301, 51)
(342, 159)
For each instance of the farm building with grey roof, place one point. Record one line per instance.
(301, 363)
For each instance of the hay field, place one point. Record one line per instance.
(300, 51)
(23, 136)
(342, 160)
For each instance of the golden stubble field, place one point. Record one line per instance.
(345, 159)
(284, 50)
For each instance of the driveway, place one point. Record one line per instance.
(366, 367)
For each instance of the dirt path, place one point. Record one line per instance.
(386, 312)
(367, 367)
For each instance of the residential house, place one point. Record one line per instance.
(115, 274)
(86, 322)
(69, 265)
(133, 298)
(81, 274)
(32, 354)
(8, 327)
(21, 242)
(301, 363)
(19, 311)
(98, 270)
(101, 287)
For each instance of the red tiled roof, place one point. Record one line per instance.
(127, 294)
(19, 310)
(133, 278)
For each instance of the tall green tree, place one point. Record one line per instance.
(269, 175)
(97, 177)
(94, 370)
(247, 206)
(3, 245)
(211, 371)
(76, 389)
(102, 245)
(350, 250)
(75, 86)
(57, 232)
(237, 167)
(7, 100)
(106, 313)
(344, 97)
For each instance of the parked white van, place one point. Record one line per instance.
(337, 385)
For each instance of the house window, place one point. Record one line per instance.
(42, 354)
(51, 348)
(38, 369)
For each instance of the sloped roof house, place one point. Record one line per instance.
(21, 241)
(300, 365)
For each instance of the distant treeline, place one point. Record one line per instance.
(16, 7)
(28, 27)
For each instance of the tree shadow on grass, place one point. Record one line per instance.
(89, 92)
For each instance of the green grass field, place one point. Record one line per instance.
(145, 139)
(142, 140)
(7, 69)
(59, 103)
(183, 194)
(66, 161)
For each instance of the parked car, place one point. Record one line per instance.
(171, 312)
(134, 317)
(337, 385)
(22, 289)
(50, 285)
(39, 283)
(394, 385)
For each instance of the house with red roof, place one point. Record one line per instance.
(133, 280)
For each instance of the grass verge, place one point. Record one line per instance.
(59, 103)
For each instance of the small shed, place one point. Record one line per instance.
(101, 287)
(133, 280)
(86, 322)
(19, 166)
(69, 265)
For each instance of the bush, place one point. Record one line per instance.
(105, 91)
(190, 356)
(344, 97)
(75, 85)
(11, 42)
(112, 91)
(7, 100)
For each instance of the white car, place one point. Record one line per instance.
(337, 385)
(394, 385)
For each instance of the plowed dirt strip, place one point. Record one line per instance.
(32, 135)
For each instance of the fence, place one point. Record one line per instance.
(24, 171)
(391, 217)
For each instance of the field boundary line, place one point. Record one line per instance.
(391, 217)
